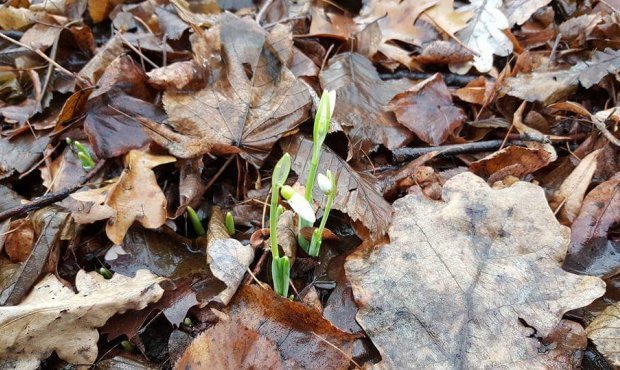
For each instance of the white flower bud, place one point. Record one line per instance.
(324, 183)
(298, 203)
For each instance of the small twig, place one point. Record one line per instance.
(136, 50)
(405, 154)
(51, 198)
(219, 172)
(449, 78)
(338, 349)
(257, 268)
(554, 49)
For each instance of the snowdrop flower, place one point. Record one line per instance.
(324, 115)
(324, 183)
(298, 203)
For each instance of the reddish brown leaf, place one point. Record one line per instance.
(592, 250)
(361, 104)
(19, 241)
(427, 110)
(511, 161)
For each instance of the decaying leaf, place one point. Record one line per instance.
(484, 35)
(510, 161)
(549, 86)
(228, 259)
(362, 98)
(604, 331)
(20, 153)
(256, 101)
(304, 338)
(592, 251)
(358, 194)
(427, 110)
(463, 278)
(54, 318)
(230, 345)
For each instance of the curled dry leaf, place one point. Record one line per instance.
(179, 75)
(479, 91)
(228, 259)
(484, 35)
(19, 241)
(459, 277)
(357, 194)
(54, 318)
(574, 187)
(304, 338)
(428, 111)
(510, 161)
(604, 331)
(256, 101)
(591, 250)
(361, 106)
(230, 345)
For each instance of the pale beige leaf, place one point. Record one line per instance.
(443, 16)
(519, 11)
(136, 195)
(461, 276)
(228, 259)
(484, 35)
(604, 331)
(574, 187)
(54, 318)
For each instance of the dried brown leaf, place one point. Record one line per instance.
(427, 110)
(256, 101)
(458, 275)
(574, 187)
(361, 104)
(179, 75)
(510, 161)
(519, 11)
(604, 331)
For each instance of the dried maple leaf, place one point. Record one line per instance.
(358, 194)
(256, 101)
(361, 109)
(459, 277)
(604, 331)
(484, 35)
(427, 110)
(54, 318)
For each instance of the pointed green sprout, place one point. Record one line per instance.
(196, 224)
(230, 223)
(83, 154)
(107, 274)
(321, 128)
(280, 266)
(327, 183)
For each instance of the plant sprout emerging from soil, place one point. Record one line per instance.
(230, 223)
(280, 266)
(86, 160)
(195, 221)
(327, 184)
(319, 133)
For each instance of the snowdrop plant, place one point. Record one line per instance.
(86, 160)
(195, 221)
(327, 184)
(321, 128)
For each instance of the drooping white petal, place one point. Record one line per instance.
(332, 101)
(300, 205)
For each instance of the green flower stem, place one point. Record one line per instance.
(273, 221)
(317, 236)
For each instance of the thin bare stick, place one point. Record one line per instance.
(338, 349)
(136, 50)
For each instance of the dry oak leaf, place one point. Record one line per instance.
(358, 194)
(443, 16)
(362, 106)
(55, 318)
(519, 11)
(228, 259)
(428, 111)
(255, 102)
(484, 35)
(604, 331)
(460, 277)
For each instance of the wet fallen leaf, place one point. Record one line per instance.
(54, 318)
(256, 101)
(484, 35)
(228, 259)
(136, 195)
(20, 153)
(462, 279)
(358, 194)
(592, 251)
(605, 333)
(230, 345)
(428, 111)
(361, 104)
(304, 338)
